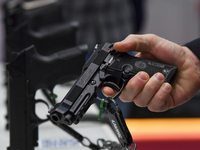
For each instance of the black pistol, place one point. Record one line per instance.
(28, 72)
(106, 67)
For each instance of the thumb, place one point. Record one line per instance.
(161, 49)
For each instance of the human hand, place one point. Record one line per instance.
(153, 92)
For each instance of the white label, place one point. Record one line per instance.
(59, 143)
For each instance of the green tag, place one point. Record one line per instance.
(53, 95)
(101, 109)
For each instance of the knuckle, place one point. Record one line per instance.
(160, 99)
(150, 88)
(157, 104)
(126, 98)
(130, 35)
(152, 36)
(154, 109)
(139, 102)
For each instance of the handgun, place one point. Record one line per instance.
(105, 67)
(37, 22)
(28, 72)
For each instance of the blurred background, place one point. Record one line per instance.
(56, 25)
(177, 21)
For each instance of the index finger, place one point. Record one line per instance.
(162, 49)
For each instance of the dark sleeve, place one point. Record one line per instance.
(194, 46)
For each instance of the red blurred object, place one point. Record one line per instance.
(165, 134)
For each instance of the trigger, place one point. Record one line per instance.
(112, 85)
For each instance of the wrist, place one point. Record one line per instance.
(194, 63)
(194, 46)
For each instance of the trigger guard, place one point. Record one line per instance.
(40, 120)
(112, 85)
(42, 101)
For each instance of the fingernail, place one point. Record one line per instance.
(143, 76)
(159, 76)
(166, 86)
